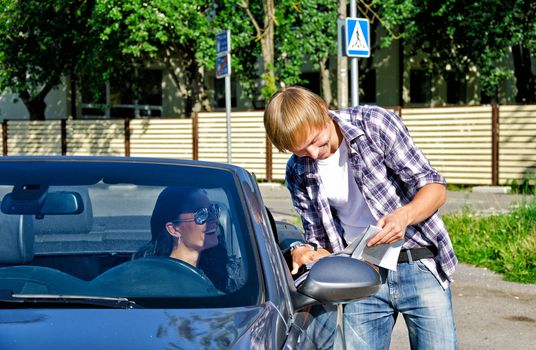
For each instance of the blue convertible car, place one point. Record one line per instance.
(105, 253)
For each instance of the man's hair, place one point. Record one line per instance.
(291, 114)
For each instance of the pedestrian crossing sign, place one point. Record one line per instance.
(357, 37)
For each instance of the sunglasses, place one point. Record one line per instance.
(202, 215)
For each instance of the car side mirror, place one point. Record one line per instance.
(336, 280)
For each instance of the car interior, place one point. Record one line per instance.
(91, 251)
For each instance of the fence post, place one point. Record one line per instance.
(268, 160)
(195, 136)
(63, 137)
(494, 144)
(4, 137)
(127, 137)
(398, 109)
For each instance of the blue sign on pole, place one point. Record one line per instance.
(223, 66)
(223, 43)
(357, 37)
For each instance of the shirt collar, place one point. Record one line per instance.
(346, 122)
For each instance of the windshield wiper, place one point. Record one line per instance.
(107, 302)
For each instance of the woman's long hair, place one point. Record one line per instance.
(171, 202)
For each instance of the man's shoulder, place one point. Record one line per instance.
(363, 114)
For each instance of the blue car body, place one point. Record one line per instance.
(70, 277)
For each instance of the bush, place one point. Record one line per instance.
(504, 243)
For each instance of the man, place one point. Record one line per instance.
(359, 167)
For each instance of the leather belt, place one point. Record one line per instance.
(410, 255)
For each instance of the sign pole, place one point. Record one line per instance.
(228, 117)
(357, 44)
(223, 70)
(354, 74)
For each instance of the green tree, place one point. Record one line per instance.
(318, 29)
(263, 19)
(282, 33)
(40, 42)
(456, 35)
(133, 34)
(245, 48)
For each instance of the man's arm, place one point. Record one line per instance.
(427, 200)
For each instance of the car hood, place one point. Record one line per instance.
(243, 328)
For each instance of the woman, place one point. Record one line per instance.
(185, 226)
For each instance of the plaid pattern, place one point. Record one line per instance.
(388, 168)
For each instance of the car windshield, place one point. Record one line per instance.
(154, 234)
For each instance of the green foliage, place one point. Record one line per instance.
(524, 186)
(229, 15)
(458, 34)
(300, 28)
(133, 33)
(40, 41)
(318, 29)
(504, 243)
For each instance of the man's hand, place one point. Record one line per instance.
(393, 227)
(304, 255)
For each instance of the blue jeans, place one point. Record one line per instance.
(414, 292)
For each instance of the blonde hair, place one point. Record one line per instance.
(291, 114)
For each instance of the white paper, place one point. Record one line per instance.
(384, 255)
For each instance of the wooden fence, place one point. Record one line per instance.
(484, 145)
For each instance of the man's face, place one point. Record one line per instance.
(317, 144)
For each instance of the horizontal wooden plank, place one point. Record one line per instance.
(443, 110)
(205, 115)
(455, 139)
(528, 140)
(468, 181)
(162, 154)
(161, 129)
(459, 157)
(447, 122)
(451, 134)
(528, 120)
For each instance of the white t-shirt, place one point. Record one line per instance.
(343, 194)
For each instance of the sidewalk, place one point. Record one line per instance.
(490, 313)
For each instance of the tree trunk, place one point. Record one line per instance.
(72, 90)
(524, 77)
(200, 101)
(267, 46)
(36, 108)
(325, 81)
(342, 68)
(36, 105)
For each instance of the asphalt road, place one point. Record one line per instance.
(490, 313)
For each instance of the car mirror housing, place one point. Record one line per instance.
(338, 279)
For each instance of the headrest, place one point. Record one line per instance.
(77, 223)
(16, 239)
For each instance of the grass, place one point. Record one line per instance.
(504, 243)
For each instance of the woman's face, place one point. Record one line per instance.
(198, 236)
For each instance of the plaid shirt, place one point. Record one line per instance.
(388, 169)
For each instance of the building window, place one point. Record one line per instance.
(123, 101)
(219, 93)
(420, 86)
(368, 87)
(456, 89)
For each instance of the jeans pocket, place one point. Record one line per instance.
(421, 267)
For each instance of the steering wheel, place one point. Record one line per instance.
(154, 276)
